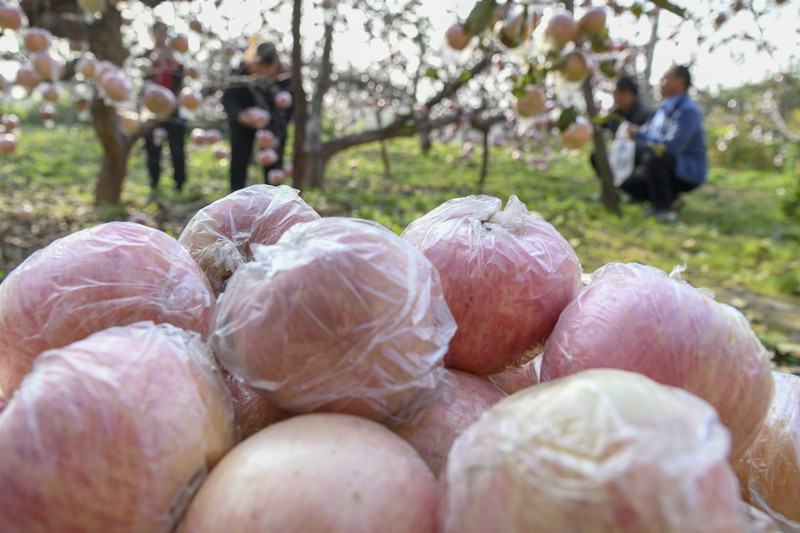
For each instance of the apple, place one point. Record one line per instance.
(111, 274)
(219, 236)
(80, 104)
(195, 25)
(371, 344)
(180, 43)
(456, 38)
(318, 472)
(576, 135)
(191, 72)
(276, 176)
(36, 39)
(637, 317)
(27, 77)
(769, 469)
(113, 432)
(517, 28)
(561, 28)
(10, 122)
(46, 113)
(254, 117)
(283, 99)
(266, 139)
(433, 433)
(158, 99)
(198, 136)
(213, 136)
(49, 92)
(531, 103)
(8, 142)
(190, 99)
(267, 157)
(116, 85)
(129, 123)
(506, 274)
(593, 22)
(85, 67)
(10, 16)
(600, 450)
(575, 67)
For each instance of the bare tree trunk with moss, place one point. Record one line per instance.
(315, 170)
(299, 154)
(608, 193)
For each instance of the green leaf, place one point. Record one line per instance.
(465, 76)
(432, 73)
(567, 117)
(480, 17)
(669, 6)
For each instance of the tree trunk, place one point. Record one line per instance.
(387, 169)
(315, 171)
(608, 193)
(649, 48)
(299, 154)
(116, 149)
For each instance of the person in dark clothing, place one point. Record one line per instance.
(166, 71)
(627, 108)
(671, 149)
(254, 86)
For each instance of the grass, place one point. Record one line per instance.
(730, 234)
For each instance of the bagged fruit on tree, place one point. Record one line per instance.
(769, 470)
(600, 451)
(433, 433)
(113, 432)
(317, 472)
(339, 315)
(638, 318)
(108, 275)
(219, 235)
(506, 274)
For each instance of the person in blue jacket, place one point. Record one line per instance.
(671, 148)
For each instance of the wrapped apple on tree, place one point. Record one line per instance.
(339, 315)
(108, 275)
(636, 317)
(507, 274)
(318, 472)
(219, 236)
(113, 433)
(769, 470)
(433, 433)
(602, 450)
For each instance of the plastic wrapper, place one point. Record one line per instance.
(113, 433)
(339, 315)
(600, 451)
(108, 275)
(219, 236)
(507, 274)
(522, 377)
(251, 411)
(769, 470)
(433, 433)
(639, 318)
(757, 521)
(318, 472)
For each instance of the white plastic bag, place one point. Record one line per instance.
(621, 155)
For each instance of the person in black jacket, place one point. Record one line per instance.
(253, 87)
(627, 108)
(166, 70)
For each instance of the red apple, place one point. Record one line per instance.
(116, 85)
(769, 469)
(113, 432)
(599, 451)
(433, 433)
(28, 77)
(10, 16)
(10, 122)
(318, 472)
(49, 92)
(283, 100)
(46, 113)
(36, 39)
(531, 103)
(219, 236)
(561, 28)
(276, 176)
(593, 22)
(158, 99)
(636, 317)
(456, 38)
(129, 123)
(190, 99)
(507, 275)
(266, 139)
(8, 143)
(575, 67)
(180, 43)
(370, 344)
(195, 25)
(85, 67)
(213, 136)
(267, 157)
(198, 136)
(576, 135)
(111, 274)
(254, 117)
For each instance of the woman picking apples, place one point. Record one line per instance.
(258, 97)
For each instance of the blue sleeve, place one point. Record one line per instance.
(689, 123)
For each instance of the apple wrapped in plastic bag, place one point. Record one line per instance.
(318, 472)
(219, 236)
(111, 274)
(769, 470)
(507, 274)
(638, 318)
(113, 433)
(600, 451)
(433, 433)
(339, 315)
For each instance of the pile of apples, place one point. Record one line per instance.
(274, 370)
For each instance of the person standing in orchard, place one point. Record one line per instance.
(167, 71)
(671, 148)
(258, 103)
